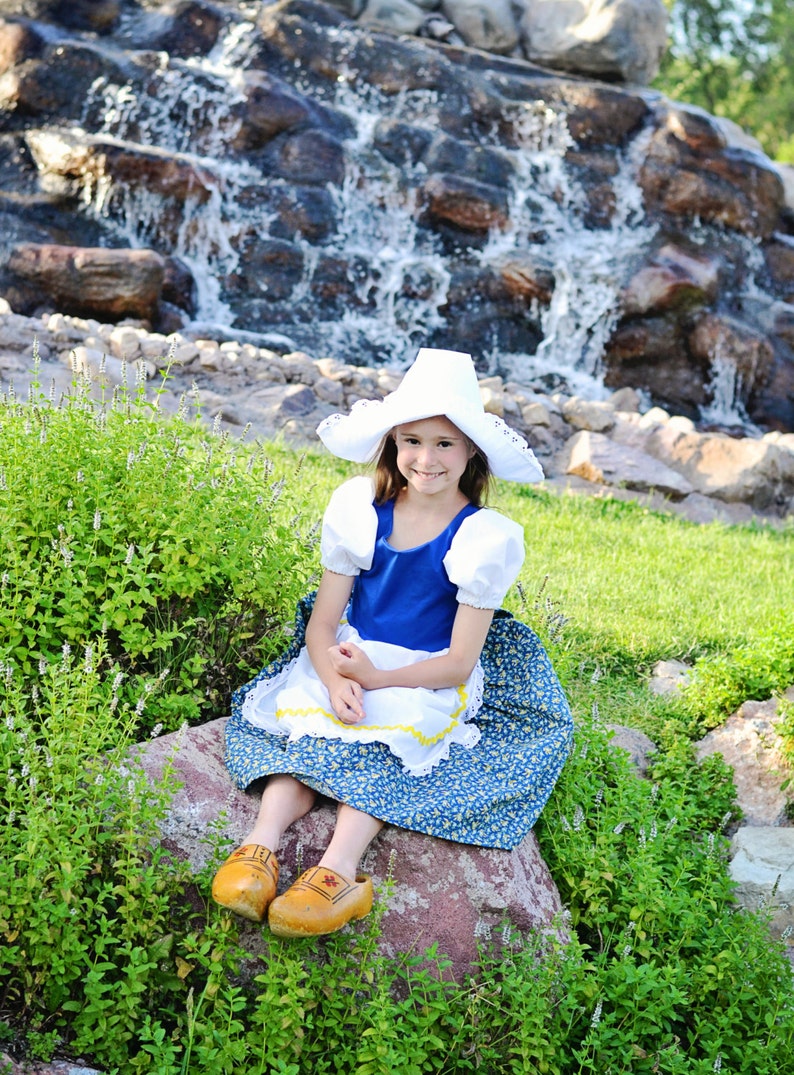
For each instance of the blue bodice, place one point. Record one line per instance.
(406, 597)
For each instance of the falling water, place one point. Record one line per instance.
(172, 115)
(403, 283)
(585, 263)
(725, 387)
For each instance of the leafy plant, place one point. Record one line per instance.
(720, 683)
(178, 546)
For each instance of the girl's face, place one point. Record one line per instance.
(432, 454)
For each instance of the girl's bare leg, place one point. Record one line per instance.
(284, 800)
(247, 882)
(352, 836)
(321, 901)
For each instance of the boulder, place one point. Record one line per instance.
(651, 352)
(79, 157)
(99, 16)
(484, 24)
(306, 156)
(272, 106)
(635, 743)
(99, 282)
(689, 170)
(396, 16)
(749, 742)
(762, 867)
(758, 472)
(467, 203)
(33, 1067)
(444, 893)
(608, 39)
(727, 342)
(191, 27)
(596, 458)
(671, 278)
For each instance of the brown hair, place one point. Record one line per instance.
(474, 481)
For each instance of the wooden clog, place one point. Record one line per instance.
(320, 901)
(247, 881)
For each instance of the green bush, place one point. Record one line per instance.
(179, 547)
(757, 670)
(89, 902)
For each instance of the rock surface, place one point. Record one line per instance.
(750, 744)
(636, 744)
(762, 865)
(443, 892)
(762, 848)
(624, 40)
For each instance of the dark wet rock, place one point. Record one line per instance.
(97, 282)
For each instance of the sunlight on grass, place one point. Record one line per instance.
(633, 583)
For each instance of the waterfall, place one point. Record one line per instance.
(725, 386)
(188, 109)
(585, 262)
(400, 277)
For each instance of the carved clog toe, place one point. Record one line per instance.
(247, 881)
(321, 901)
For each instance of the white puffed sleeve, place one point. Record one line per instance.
(350, 526)
(485, 558)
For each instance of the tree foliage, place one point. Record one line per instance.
(735, 59)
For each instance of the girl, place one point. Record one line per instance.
(413, 701)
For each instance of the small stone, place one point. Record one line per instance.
(536, 414)
(125, 342)
(762, 866)
(625, 399)
(586, 414)
(330, 391)
(637, 745)
(654, 417)
(492, 401)
(669, 677)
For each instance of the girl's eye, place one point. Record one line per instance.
(443, 444)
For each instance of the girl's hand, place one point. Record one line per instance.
(347, 699)
(352, 663)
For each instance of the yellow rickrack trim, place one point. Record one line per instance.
(423, 739)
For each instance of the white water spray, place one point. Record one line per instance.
(399, 280)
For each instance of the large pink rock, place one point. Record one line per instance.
(445, 893)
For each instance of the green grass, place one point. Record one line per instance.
(635, 587)
(110, 951)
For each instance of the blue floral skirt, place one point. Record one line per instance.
(489, 795)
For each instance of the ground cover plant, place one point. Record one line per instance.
(149, 564)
